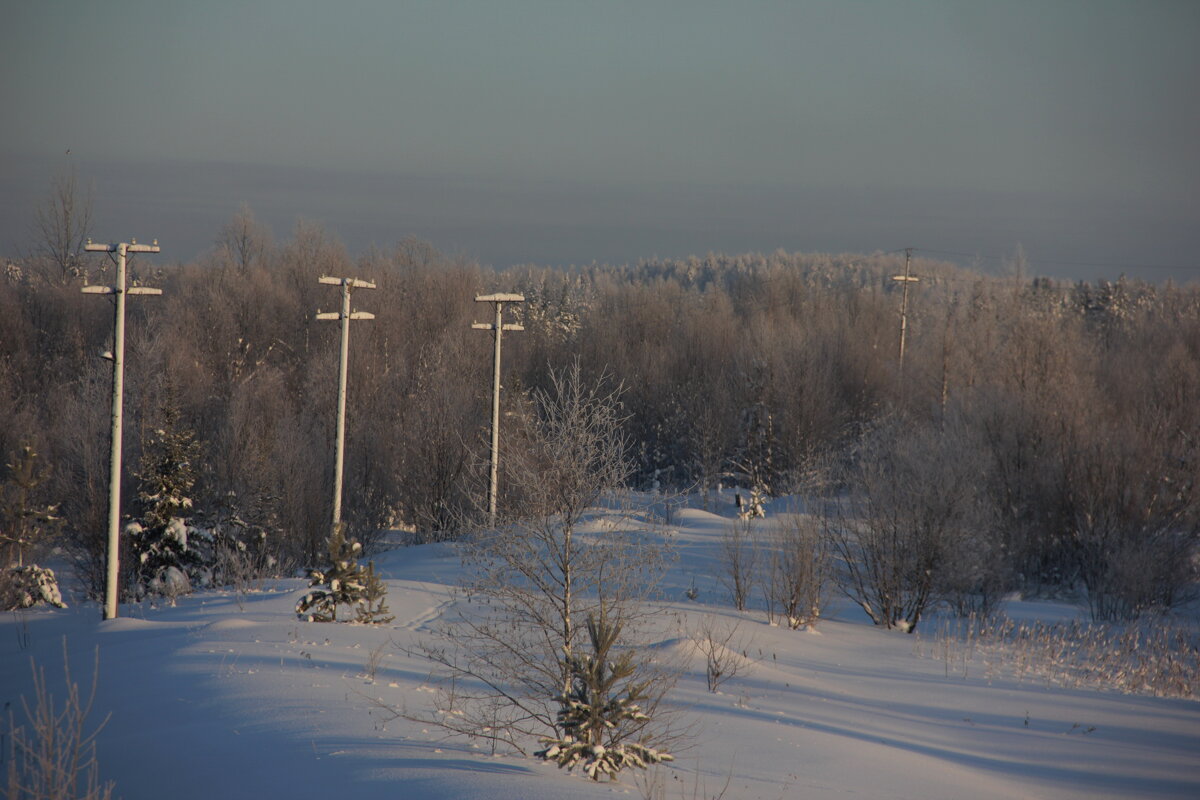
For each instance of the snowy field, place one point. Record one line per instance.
(229, 696)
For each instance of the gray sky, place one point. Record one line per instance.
(567, 132)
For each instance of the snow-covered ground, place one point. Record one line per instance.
(227, 696)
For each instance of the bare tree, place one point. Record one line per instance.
(52, 753)
(1136, 521)
(740, 552)
(726, 654)
(798, 570)
(244, 242)
(61, 224)
(912, 502)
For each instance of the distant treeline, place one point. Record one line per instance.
(1079, 404)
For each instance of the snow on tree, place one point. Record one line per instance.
(344, 583)
(755, 463)
(164, 562)
(25, 527)
(28, 586)
(237, 546)
(595, 711)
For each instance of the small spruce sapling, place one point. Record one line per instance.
(373, 609)
(595, 713)
(344, 582)
(165, 564)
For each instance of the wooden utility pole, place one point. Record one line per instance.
(905, 279)
(118, 290)
(499, 326)
(950, 313)
(345, 315)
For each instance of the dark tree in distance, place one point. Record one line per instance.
(162, 554)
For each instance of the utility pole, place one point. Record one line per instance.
(905, 279)
(950, 313)
(345, 315)
(499, 326)
(122, 250)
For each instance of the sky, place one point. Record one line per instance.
(572, 132)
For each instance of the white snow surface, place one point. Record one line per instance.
(227, 696)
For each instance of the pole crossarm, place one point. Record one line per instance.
(131, 247)
(490, 326)
(353, 283)
(499, 298)
(119, 289)
(345, 315)
(111, 290)
(338, 315)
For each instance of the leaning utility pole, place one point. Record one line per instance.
(499, 326)
(122, 250)
(906, 279)
(345, 316)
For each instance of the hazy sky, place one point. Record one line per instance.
(567, 132)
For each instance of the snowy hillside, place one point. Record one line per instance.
(227, 696)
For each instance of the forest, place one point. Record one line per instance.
(1037, 436)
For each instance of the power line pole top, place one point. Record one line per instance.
(132, 247)
(500, 298)
(352, 282)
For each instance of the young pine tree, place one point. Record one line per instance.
(601, 703)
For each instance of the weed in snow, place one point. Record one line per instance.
(1144, 657)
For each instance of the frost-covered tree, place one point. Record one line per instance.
(755, 463)
(539, 578)
(913, 505)
(797, 570)
(242, 544)
(1135, 506)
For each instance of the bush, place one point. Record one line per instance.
(913, 503)
(24, 587)
(797, 571)
(739, 551)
